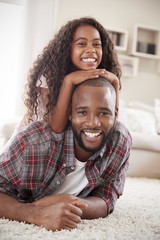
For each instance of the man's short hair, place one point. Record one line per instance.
(97, 82)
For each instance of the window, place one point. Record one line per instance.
(10, 46)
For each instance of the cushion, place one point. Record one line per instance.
(141, 106)
(123, 117)
(146, 141)
(157, 114)
(141, 121)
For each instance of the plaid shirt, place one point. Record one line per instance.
(35, 162)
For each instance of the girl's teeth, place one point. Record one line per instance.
(91, 135)
(88, 60)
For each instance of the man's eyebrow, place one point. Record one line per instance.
(81, 107)
(104, 108)
(99, 108)
(82, 38)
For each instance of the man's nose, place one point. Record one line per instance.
(93, 121)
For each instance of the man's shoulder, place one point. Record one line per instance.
(36, 133)
(122, 131)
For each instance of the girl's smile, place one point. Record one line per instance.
(86, 48)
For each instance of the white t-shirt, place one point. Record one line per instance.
(75, 181)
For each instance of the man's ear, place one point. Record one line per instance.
(116, 112)
(116, 115)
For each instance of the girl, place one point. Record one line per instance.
(81, 50)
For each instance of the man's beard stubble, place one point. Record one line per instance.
(104, 140)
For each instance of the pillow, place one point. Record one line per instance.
(123, 117)
(141, 121)
(157, 114)
(141, 106)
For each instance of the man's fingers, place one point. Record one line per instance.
(80, 204)
(70, 225)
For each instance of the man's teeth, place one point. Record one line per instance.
(88, 59)
(91, 135)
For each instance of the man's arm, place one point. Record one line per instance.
(92, 207)
(96, 208)
(57, 216)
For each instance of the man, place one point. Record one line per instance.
(55, 180)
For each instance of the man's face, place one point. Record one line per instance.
(92, 117)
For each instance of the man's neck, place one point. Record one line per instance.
(80, 153)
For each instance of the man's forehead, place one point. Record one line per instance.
(90, 89)
(86, 94)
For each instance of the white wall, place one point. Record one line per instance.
(122, 14)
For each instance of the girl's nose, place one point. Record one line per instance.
(90, 49)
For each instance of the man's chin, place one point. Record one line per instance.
(90, 149)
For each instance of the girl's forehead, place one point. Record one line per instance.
(83, 30)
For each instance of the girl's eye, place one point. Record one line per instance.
(81, 44)
(97, 44)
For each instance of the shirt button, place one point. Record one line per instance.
(72, 168)
(64, 165)
(58, 182)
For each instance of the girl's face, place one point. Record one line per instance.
(86, 48)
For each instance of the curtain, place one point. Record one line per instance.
(39, 24)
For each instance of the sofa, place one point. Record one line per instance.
(143, 122)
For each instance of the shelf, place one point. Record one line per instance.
(119, 38)
(146, 41)
(129, 65)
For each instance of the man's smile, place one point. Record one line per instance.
(92, 134)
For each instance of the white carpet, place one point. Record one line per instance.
(136, 216)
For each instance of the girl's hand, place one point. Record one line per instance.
(79, 76)
(115, 82)
(111, 77)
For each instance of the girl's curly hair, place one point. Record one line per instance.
(55, 63)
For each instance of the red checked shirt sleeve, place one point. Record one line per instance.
(27, 166)
(114, 166)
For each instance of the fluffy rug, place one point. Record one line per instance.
(136, 216)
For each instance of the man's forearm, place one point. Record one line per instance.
(53, 215)
(96, 208)
(12, 209)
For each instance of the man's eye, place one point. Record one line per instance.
(82, 112)
(104, 113)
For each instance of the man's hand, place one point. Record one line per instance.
(60, 211)
(54, 212)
